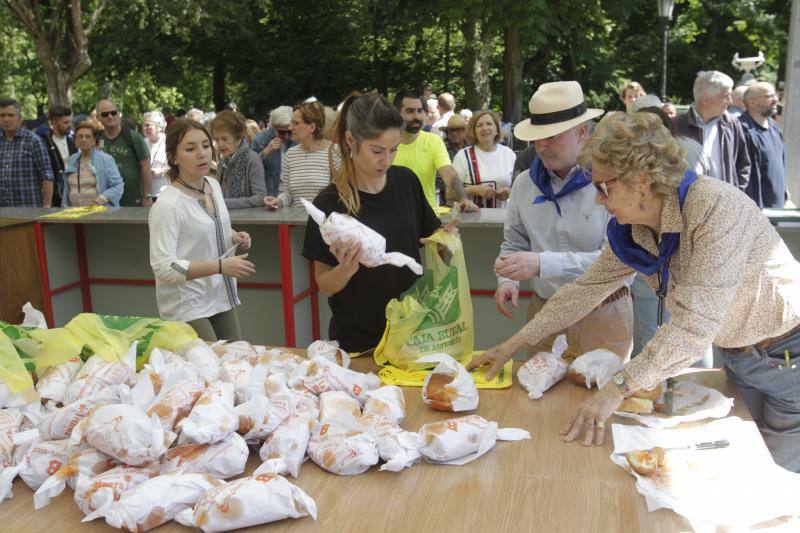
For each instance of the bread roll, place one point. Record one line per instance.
(578, 379)
(642, 461)
(636, 405)
(439, 396)
(652, 394)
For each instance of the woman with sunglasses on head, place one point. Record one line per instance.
(727, 277)
(240, 171)
(306, 168)
(388, 199)
(191, 240)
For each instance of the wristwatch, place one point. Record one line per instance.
(622, 384)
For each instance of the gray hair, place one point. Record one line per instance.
(109, 100)
(447, 101)
(195, 114)
(157, 118)
(10, 102)
(281, 115)
(737, 96)
(710, 82)
(648, 100)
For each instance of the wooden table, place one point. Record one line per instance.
(541, 484)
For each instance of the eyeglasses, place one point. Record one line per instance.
(106, 114)
(602, 186)
(284, 133)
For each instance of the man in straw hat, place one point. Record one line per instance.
(455, 135)
(554, 229)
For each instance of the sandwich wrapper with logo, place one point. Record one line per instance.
(433, 316)
(373, 244)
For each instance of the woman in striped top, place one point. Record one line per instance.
(306, 168)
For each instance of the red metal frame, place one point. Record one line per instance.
(490, 292)
(44, 274)
(286, 286)
(285, 252)
(83, 268)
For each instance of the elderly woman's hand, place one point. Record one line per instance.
(592, 415)
(274, 144)
(497, 356)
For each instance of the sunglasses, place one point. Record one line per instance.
(106, 114)
(284, 133)
(602, 186)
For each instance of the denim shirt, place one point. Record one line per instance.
(272, 163)
(109, 180)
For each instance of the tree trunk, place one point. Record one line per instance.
(512, 75)
(219, 85)
(61, 41)
(478, 44)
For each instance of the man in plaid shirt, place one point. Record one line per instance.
(26, 177)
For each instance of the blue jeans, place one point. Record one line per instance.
(772, 394)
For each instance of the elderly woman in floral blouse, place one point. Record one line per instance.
(729, 279)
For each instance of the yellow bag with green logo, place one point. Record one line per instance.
(109, 337)
(25, 350)
(391, 375)
(434, 315)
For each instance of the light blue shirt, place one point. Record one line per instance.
(109, 180)
(566, 244)
(712, 144)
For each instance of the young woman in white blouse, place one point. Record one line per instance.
(485, 166)
(306, 168)
(191, 240)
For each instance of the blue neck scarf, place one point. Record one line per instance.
(541, 178)
(632, 254)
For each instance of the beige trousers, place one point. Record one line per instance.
(608, 326)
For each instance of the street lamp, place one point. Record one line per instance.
(665, 15)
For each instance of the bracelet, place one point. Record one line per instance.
(220, 266)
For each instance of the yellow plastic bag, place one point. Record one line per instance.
(12, 370)
(434, 315)
(109, 337)
(34, 349)
(390, 375)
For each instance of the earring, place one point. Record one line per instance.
(642, 207)
(352, 152)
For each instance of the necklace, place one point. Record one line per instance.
(201, 190)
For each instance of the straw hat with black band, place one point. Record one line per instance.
(555, 107)
(455, 122)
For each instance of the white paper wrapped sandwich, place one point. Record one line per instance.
(373, 244)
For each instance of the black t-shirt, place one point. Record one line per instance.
(402, 215)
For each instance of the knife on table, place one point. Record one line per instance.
(669, 397)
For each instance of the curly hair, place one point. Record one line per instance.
(635, 143)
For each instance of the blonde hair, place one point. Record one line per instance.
(472, 137)
(635, 143)
(634, 86)
(366, 117)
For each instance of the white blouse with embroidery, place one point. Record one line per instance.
(181, 231)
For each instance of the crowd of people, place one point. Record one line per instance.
(673, 219)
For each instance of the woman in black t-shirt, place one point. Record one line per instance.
(389, 200)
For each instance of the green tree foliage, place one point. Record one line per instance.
(261, 53)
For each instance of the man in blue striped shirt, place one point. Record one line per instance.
(26, 177)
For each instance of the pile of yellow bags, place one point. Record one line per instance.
(27, 350)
